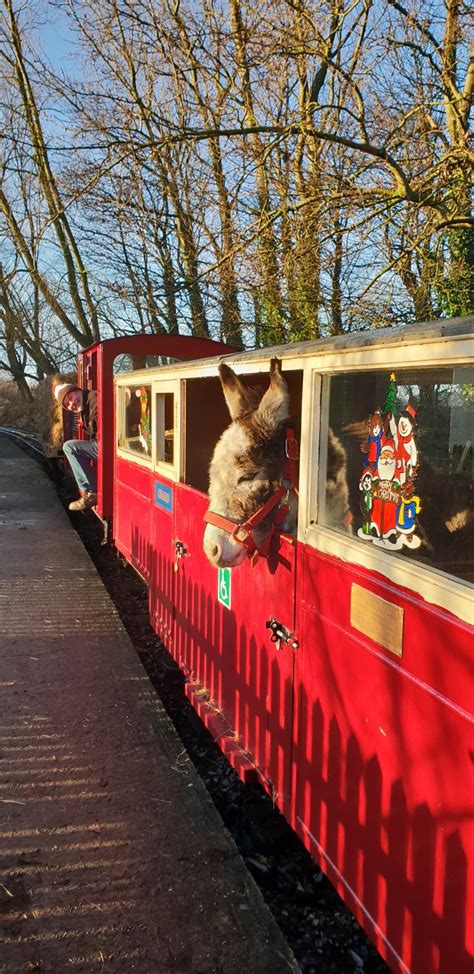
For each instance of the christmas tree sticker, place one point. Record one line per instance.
(390, 404)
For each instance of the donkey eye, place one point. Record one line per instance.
(244, 479)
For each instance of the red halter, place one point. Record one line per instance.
(242, 531)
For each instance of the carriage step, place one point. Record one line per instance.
(218, 726)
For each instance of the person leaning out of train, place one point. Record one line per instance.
(80, 453)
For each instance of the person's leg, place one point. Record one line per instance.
(79, 454)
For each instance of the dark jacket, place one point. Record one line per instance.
(89, 413)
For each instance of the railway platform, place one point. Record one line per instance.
(112, 856)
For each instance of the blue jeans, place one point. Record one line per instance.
(79, 454)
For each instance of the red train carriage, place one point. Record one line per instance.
(338, 668)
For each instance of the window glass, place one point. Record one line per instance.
(399, 455)
(152, 361)
(122, 363)
(136, 433)
(165, 427)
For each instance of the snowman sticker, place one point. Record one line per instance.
(405, 447)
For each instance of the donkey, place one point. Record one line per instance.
(250, 479)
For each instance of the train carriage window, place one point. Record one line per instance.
(153, 361)
(207, 417)
(122, 363)
(126, 362)
(397, 468)
(135, 426)
(165, 427)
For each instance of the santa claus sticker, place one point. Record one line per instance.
(389, 504)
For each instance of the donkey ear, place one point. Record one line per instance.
(238, 397)
(275, 405)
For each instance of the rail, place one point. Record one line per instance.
(26, 439)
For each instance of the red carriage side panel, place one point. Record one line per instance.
(199, 627)
(384, 764)
(224, 646)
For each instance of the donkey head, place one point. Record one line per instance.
(248, 460)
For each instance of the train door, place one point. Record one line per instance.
(223, 638)
(133, 474)
(166, 436)
(383, 735)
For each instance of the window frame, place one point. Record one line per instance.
(433, 584)
(172, 471)
(123, 451)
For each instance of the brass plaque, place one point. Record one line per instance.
(382, 621)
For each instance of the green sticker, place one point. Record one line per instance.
(223, 587)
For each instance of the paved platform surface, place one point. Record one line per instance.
(112, 857)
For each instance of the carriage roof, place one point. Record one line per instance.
(421, 333)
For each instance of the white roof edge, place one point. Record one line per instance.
(447, 329)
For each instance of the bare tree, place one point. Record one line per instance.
(316, 119)
(46, 307)
(261, 174)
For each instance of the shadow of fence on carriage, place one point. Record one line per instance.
(402, 871)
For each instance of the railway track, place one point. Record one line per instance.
(27, 441)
